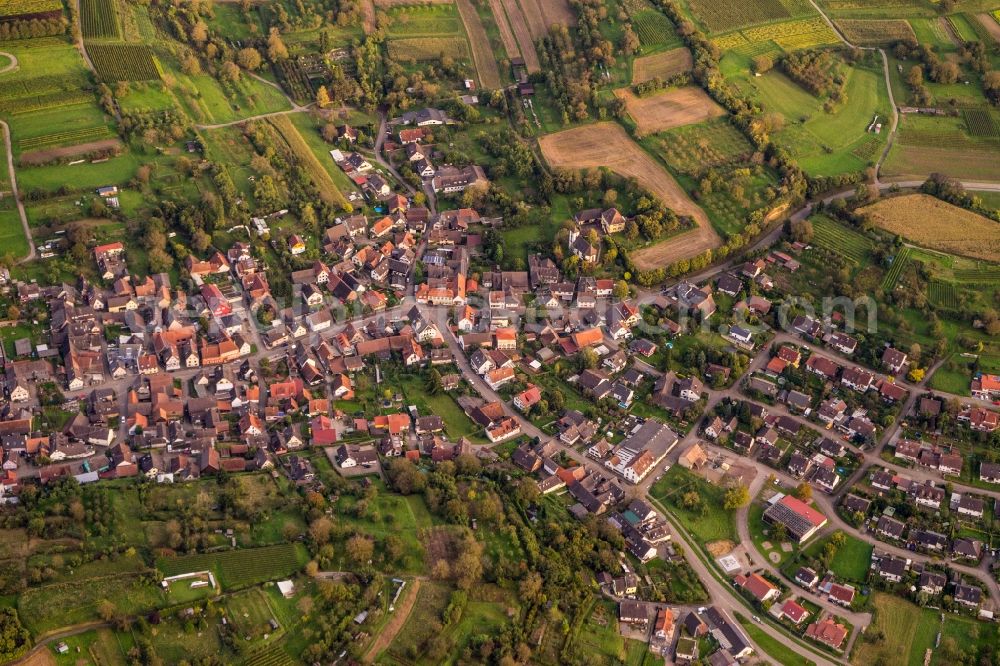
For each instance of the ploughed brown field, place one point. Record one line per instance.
(37, 157)
(669, 108)
(607, 145)
(664, 65)
(525, 41)
(936, 224)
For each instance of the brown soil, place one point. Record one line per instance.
(42, 657)
(991, 25)
(506, 36)
(557, 11)
(368, 11)
(49, 154)
(606, 144)
(486, 63)
(664, 65)
(720, 548)
(392, 627)
(670, 108)
(536, 22)
(520, 27)
(439, 544)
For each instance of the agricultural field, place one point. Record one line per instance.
(961, 146)
(521, 32)
(61, 604)
(58, 127)
(899, 264)
(44, 66)
(429, 48)
(99, 19)
(205, 100)
(669, 108)
(321, 178)
(990, 24)
(427, 32)
(124, 62)
(933, 32)
(875, 32)
(836, 237)
(654, 29)
(30, 8)
(416, 20)
(432, 598)
(826, 143)
(662, 65)
(692, 148)
(932, 223)
(721, 16)
(12, 238)
(309, 129)
(240, 568)
(607, 144)
(482, 53)
(788, 36)
(716, 146)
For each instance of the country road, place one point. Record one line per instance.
(12, 66)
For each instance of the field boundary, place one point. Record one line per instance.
(591, 145)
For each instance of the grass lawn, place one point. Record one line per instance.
(239, 568)
(443, 405)
(12, 239)
(309, 129)
(711, 522)
(898, 620)
(249, 612)
(87, 176)
(952, 377)
(599, 635)
(852, 560)
(401, 515)
(52, 606)
(824, 143)
(773, 647)
(430, 604)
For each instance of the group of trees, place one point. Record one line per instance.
(816, 71)
(931, 66)
(30, 28)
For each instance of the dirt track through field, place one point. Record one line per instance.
(668, 109)
(533, 14)
(991, 25)
(506, 36)
(10, 66)
(393, 626)
(486, 62)
(524, 41)
(949, 30)
(42, 156)
(607, 145)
